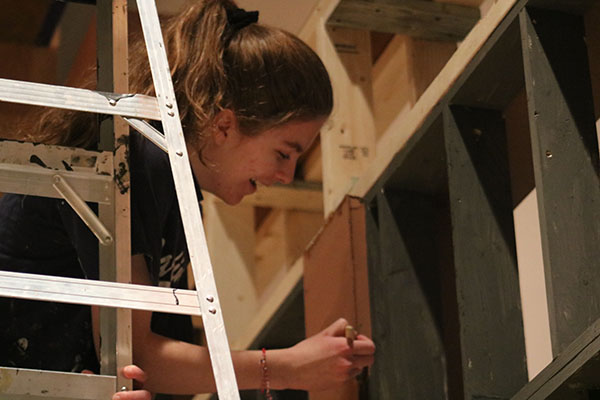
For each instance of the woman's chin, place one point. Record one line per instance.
(232, 199)
(235, 197)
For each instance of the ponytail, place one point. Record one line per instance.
(265, 75)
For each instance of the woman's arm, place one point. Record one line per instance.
(171, 366)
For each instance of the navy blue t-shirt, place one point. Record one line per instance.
(45, 236)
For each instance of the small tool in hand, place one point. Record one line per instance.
(350, 334)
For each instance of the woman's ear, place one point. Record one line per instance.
(224, 125)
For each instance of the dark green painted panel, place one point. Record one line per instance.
(405, 304)
(565, 157)
(498, 77)
(491, 328)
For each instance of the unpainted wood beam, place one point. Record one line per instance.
(348, 138)
(302, 196)
(417, 18)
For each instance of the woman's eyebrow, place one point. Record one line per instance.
(295, 145)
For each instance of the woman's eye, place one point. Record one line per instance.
(283, 156)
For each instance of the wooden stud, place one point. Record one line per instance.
(487, 285)
(299, 196)
(422, 19)
(402, 73)
(566, 168)
(348, 138)
(280, 240)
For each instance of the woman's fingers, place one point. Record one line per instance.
(337, 328)
(363, 361)
(137, 374)
(363, 346)
(134, 372)
(134, 395)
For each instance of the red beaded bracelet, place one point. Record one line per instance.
(266, 384)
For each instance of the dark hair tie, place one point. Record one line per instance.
(238, 18)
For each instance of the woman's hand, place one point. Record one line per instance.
(328, 359)
(135, 373)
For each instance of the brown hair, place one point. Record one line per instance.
(265, 75)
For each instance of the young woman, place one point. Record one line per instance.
(251, 100)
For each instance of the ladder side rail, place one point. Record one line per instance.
(216, 336)
(114, 260)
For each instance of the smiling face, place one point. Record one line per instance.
(236, 163)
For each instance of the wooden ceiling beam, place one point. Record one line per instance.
(417, 18)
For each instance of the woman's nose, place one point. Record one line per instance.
(285, 174)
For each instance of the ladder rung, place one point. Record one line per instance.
(27, 168)
(58, 158)
(37, 181)
(20, 383)
(40, 94)
(98, 293)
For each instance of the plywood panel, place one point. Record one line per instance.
(335, 280)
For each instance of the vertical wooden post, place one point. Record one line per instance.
(565, 157)
(405, 302)
(489, 306)
(348, 138)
